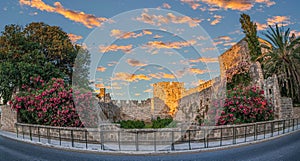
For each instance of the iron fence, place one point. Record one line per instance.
(156, 139)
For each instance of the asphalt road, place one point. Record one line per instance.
(286, 148)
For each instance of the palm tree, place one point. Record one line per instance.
(282, 60)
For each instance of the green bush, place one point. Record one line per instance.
(131, 124)
(161, 123)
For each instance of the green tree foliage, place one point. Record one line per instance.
(282, 60)
(249, 28)
(36, 50)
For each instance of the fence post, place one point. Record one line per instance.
(23, 131)
(221, 136)
(59, 135)
(17, 129)
(154, 140)
(272, 128)
(189, 131)
(137, 141)
(72, 138)
(265, 130)
(86, 139)
(119, 139)
(172, 144)
(30, 134)
(205, 139)
(48, 133)
(233, 135)
(245, 134)
(102, 139)
(278, 128)
(255, 131)
(39, 135)
(293, 124)
(283, 126)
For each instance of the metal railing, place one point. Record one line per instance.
(156, 139)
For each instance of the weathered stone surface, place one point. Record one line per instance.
(8, 118)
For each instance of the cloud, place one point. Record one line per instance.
(193, 3)
(74, 38)
(101, 85)
(87, 20)
(169, 45)
(204, 60)
(161, 75)
(130, 77)
(240, 5)
(224, 40)
(280, 20)
(126, 35)
(267, 2)
(112, 63)
(216, 20)
(135, 63)
(101, 69)
(197, 71)
(114, 47)
(148, 90)
(158, 20)
(166, 5)
(157, 36)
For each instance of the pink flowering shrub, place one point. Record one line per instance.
(245, 105)
(50, 103)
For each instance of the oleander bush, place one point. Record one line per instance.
(51, 103)
(245, 105)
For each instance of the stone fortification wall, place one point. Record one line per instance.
(8, 118)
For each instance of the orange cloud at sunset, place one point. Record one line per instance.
(126, 35)
(161, 75)
(88, 20)
(216, 20)
(74, 38)
(193, 3)
(114, 47)
(130, 77)
(170, 45)
(101, 69)
(240, 5)
(280, 20)
(197, 71)
(205, 60)
(158, 20)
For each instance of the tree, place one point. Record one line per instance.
(36, 50)
(282, 60)
(249, 28)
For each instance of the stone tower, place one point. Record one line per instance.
(165, 97)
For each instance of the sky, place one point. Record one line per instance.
(135, 43)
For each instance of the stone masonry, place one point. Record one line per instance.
(8, 118)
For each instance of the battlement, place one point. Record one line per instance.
(132, 103)
(199, 88)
